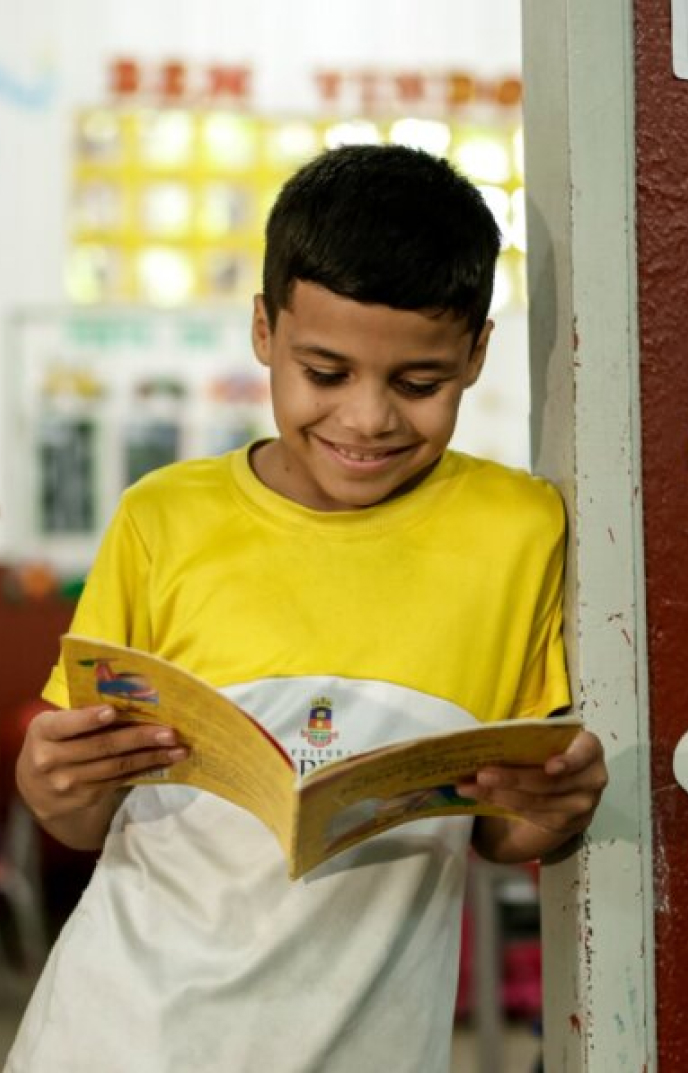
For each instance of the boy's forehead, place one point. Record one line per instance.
(315, 309)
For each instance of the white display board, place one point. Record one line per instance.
(94, 399)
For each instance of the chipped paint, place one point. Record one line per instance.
(579, 96)
(575, 338)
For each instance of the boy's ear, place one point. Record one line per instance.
(479, 353)
(261, 334)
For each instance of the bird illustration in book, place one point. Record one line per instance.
(122, 688)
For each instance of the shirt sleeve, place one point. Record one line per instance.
(544, 686)
(114, 605)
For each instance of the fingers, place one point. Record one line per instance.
(584, 751)
(536, 781)
(60, 724)
(582, 767)
(110, 743)
(87, 734)
(86, 783)
(78, 755)
(527, 804)
(562, 795)
(564, 813)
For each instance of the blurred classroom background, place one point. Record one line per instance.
(141, 146)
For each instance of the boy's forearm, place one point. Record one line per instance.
(505, 841)
(83, 830)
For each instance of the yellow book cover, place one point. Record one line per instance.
(329, 809)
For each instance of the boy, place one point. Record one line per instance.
(352, 558)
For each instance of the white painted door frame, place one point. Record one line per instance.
(580, 176)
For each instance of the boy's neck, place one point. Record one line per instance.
(270, 465)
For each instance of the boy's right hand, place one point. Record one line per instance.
(74, 764)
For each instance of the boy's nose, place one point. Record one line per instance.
(369, 413)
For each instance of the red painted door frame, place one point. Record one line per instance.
(662, 228)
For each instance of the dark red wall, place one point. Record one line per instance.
(662, 205)
(29, 644)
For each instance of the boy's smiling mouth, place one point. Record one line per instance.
(360, 457)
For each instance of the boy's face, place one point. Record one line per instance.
(365, 396)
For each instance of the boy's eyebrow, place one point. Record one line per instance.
(426, 364)
(320, 352)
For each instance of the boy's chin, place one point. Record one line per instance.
(352, 496)
(362, 497)
(413, 480)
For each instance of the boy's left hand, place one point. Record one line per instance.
(560, 797)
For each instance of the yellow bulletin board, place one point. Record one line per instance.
(169, 203)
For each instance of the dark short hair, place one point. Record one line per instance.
(383, 224)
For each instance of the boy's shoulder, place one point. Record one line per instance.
(187, 488)
(487, 479)
(501, 494)
(178, 477)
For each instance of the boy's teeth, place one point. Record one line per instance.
(358, 456)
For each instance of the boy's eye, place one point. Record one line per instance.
(415, 389)
(418, 388)
(322, 378)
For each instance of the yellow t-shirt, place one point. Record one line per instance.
(454, 590)
(191, 949)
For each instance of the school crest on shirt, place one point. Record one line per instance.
(319, 731)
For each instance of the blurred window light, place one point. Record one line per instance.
(265, 198)
(98, 137)
(166, 138)
(223, 208)
(228, 274)
(357, 132)
(97, 206)
(166, 208)
(483, 157)
(521, 281)
(518, 219)
(519, 153)
(230, 140)
(429, 134)
(292, 143)
(499, 203)
(504, 291)
(93, 274)
(166, 277)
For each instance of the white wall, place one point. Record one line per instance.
(54, 57)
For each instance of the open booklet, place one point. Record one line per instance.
(331, 808)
